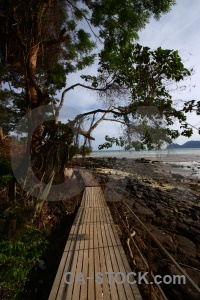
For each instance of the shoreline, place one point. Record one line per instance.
(187, 165)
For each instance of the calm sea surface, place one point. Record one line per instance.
(146, 153)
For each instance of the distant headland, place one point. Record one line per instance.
(189, 144)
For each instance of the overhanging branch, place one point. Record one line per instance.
(81, 85)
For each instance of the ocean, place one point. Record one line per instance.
(145, 153)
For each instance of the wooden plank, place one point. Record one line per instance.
(58, 278)
(116, 267)
(106, 287)
(124, 268)
(66, 258)
(100, 214)
(73, 266)
(91, 283)
(71, 256)
(88, 178)
(79, 266)
(98, 287)
(108, 263)
(84, 287)
(63, 286)
(134, 287)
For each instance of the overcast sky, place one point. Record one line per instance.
(178, 30)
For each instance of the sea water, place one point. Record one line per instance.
(145, 153)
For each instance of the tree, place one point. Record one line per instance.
(85, 150)
(42, 42)
(149, 77)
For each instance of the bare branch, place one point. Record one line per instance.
(114, 120)
(81, 85)
(99, 121)
(86, 134)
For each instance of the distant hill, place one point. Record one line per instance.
(190, 144)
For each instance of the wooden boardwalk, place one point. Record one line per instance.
(93, 246)
(87, 177)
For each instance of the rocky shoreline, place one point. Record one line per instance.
(168, 203)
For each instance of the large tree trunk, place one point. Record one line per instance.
(34, 100)
(36, 97)
(32, 87)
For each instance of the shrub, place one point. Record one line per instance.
(17, 258)
(6, 174)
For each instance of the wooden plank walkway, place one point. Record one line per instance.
(87, 177)
(93, 246)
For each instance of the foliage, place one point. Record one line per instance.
(55, 38)
(9, 114)
(50, 43)
(120, 21)
(17, 258)
(148, 76)
(5, 180)
(84, 150)
(6, 174)
(63, 46)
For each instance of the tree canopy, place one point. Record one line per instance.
(43, 41)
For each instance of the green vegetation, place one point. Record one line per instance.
(42, 44)
(6, 174)
(18, 256)
(83, 150)
(51, 45)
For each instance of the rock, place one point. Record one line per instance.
(187, 246)
(192, 223)
(144, 210)
(196, 207)
(165, 239)
(184, 210)
(182, 227)
(160, 213)
(172, 224)
(181, 291)
(195, 216)
(142, 160)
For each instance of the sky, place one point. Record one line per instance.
(178, 30)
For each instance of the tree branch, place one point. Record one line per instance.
(99, 121)
(81, 85)
(86, 134)
(71, 88)
(79, 117)
(114, 120)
